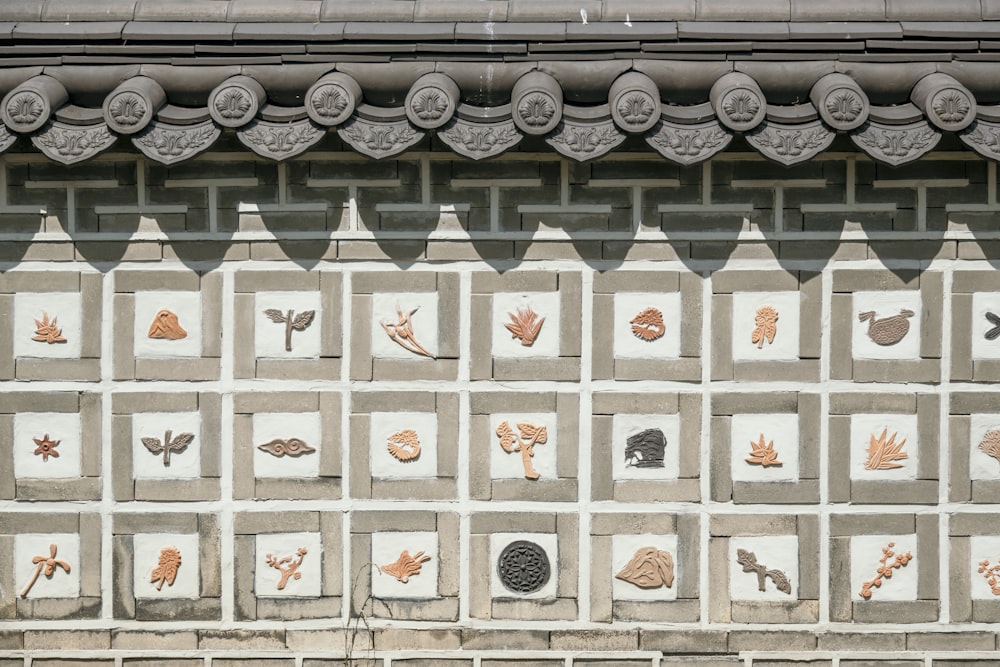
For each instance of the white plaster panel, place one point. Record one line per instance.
(866, 551)
(786, 339)
(424, 323)
(268, 426)
(61, 426)
(387, 548)
(983, 548)
(383, 464)
(627, 306)
(625, 425)
(780, 429)
(510, 466)
(61, 584)
(269, 337)
(982, 303)
(886, 304)
(549, 542)
(147, 547)
(864, 426)
(282, 545)
(981, 464)
(61, 307)
(546, 344)
(777, 552)
(623, 548)
(187, 307)
(183, 465)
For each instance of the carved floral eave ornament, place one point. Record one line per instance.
(334, 107)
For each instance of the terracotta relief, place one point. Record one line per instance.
(530, 436)
(990, 444)
(762, 454)
(990, 573)
(649, 568)
(888, 330)
(286, 447)
(288, 566)
(49, 564)
(885, 569)
(750, 565)
(523, 567)
(765, 326)
(178, 444)
(404, 445)
(166, 325)
(645, 449)
(47, 331)
(648, 325)
(993, 333)
(402, 334)
(291, 322)
(883, 453)
(166, 568)
(406, 566)
(46, 448)
(525, 324)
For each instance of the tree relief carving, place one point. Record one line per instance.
(280, 141)
(170, 144)
(688, 144)
(480, 141)
(379, 140)
(70, 144)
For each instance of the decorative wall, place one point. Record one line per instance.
(425, 411)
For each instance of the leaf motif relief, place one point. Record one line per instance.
(506, 435)
(529, 431)
(303, 319)
(525, 324)
(990, 444)
(883, 453)
(152, 444)
(763, 454)
(275, 315)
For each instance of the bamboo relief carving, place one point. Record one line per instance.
(990, 444)
(401, 332)
(167, 325)
(46, 448)
(748, 560)
(48, 331)
(888, 330)
(525, 324)
(288, 566)
(645, 449)
(404, 445)
(649, 567)
(168, 445)
(45, 565)
(406, 566)
(648, 325)
(994, 332)
(884, 452)
(166, 568)
(885, 569)
(530, 435)
(293, 447)
(762, 454)
(990, 574)
(765, 326)
(291, 322)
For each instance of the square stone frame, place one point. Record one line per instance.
(329, 287)
(327, 486)
(920, 491)
(961, 528)
(85, 487)
(847, 606)
(88, 605)
(686, 368)
(687, 486)
(843, 319)
(565, 406)
(203, 368)
(723, 528)
(808, 284)
(208, 607)
(961, 488)
(205, 487)
(442, 487)
(566, 367)
(963, 366)
(565, 525)
(686, 608)
(803, 491)
(86, 368)
(446, 525)
(246, 527)
(364, 284)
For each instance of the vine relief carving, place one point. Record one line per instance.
(983, 137)
(480, 141)
(789, 144)
(280, 141)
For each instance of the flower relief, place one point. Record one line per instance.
(536, 110)
(429, 104)
(635, 108)
(741, 106)
(329, 101)
(951, 106)
(885, 569)
(401, 332)
(233, 103)
(844, 106)
(406, 566)
(127, 109)
(25, 108)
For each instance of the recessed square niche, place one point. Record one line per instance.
(288, 565)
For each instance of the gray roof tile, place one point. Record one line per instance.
(842, 10)
(403, 32)
(649, 10)
(554, 10)
(990, 9)
(460, 10)
(742, 10)
(181, 10)
(21, 10)
(177, 32)
(959, 29)
(503, 31)
(636, 30)
(367, 10)
(922, 45)
(139, 49)
(269, 10)
(77, 30)
(102, 10)
(298, 32)
(6, 29)
(844, 30)
(933, 10)
(732, 30)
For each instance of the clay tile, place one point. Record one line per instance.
(181, 10)
(933, 10)
(297, 32)
(813, 30)
(554, 10)
(181, 32)
(649, 10)
(367, 10)
(404, 32)
(77, 30)
(269, 10)
(843, 10)
(967, 29)
(460, 10)
(728, 30)
(654, 30)
(552, 31)
(21, 10)
(99, 10)
(741, 10)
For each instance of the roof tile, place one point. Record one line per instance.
(460, 10)
(965, 29)
(77, 30)
(279, 31)
(649, 10)
(74, 10)
(933, 10)
(618, 31)
(367, 10)
(990, 9)
(842, 10)
(181, 10)
(741, 10)
(503, 31)
(732, 30)
(21, 10)
(408, 32)
(268, 10)
(844, 30)
(554, 10)
(5, 30)
(177, 32)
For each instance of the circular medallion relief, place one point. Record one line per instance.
(742, 109)
(233, 106)
(635, 111)
(25, 111)
(126, 111)
(952, 108)
(430, 107)
(523, 567)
